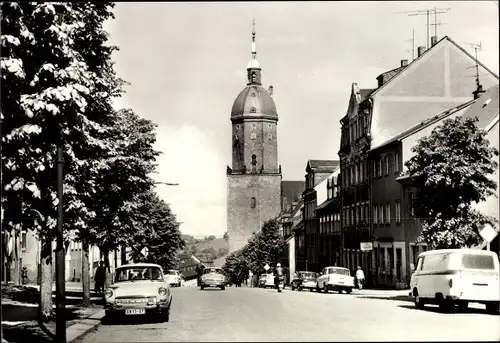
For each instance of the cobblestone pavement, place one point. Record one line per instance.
(251, 314)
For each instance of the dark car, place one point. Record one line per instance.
(304, 280)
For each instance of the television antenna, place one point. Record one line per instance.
(476, 47)
(427, 13)
(412, 40)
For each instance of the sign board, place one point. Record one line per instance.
(266, 267)
(488, 233)
(366, 246)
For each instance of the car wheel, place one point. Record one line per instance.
(419, 302)
(446, 305)
(492, 307)
(463, 305)
(293, 288)
(348, 290)
(202, 287)
(223, 288)
(325, 288)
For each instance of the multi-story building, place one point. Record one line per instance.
(328, 214)
(438, 79)
(317, 172)
(395, 227)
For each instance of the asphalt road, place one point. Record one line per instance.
(251, 314)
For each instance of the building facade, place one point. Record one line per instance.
(437, 80)
(317, 173)
(328, 214)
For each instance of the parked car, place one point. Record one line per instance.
(336, 279)
(266, 281)
(138, 289)
(213, 277)
(305, 280)
(452, 277)
(173, 278)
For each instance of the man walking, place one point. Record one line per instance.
(100, 278)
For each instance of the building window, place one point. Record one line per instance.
(362, 171)
(374, 172)
(379, 167)
(388, 213)
(375, 214)
(24, 240)
(396, 162)
(386, 164)
(397, 209)
(355, 131)
(399, 263)
(381, 214)
(253, 203)
(410, 204)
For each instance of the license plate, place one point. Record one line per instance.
(135, 311)
(341, 282)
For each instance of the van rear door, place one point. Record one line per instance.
(480, 277)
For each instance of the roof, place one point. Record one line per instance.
(365, 94)
(325, 204)
(422, 125)
(423, 54)
(441, 251)
(485, 107)
(253, 64)
(291, 190)
(139, 265)
(323, 165)
(254, 100)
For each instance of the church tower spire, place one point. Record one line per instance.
(253, 67)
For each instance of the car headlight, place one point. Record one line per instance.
(108, 293)
(162, 291)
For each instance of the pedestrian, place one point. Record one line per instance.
(360, 277)
(99, 278)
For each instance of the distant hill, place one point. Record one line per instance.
(209, 248)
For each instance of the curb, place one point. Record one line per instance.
(76, 332)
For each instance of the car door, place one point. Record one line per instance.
(415, 276)
(322, 278)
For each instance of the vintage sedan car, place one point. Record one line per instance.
(336, 279)
(138, 289)
(305, 280)
(213, 277)
(173, 278)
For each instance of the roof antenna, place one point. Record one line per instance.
(479, 90)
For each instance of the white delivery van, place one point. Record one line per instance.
(452, 277)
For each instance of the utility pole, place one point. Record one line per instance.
(427, 13)
(60, 255)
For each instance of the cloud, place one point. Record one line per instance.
(190, 157)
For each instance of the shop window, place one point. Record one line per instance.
(399, 263)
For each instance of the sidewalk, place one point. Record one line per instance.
(20, 315)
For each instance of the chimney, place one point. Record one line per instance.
(434, 40)
(421, 50)
(404, 63)
(270, 90)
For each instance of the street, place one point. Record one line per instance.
(252, 314)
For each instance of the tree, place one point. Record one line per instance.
(451, 169)
(159, 233)
(43, 107)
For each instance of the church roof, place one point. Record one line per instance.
(327, 165)
(253, 64)
(254, 100)
(291, 190)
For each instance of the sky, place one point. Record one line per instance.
(185, 63)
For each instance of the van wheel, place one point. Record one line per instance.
(419, 302)
(446, 305)
(463, 305)
(492, 307)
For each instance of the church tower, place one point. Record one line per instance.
(254, 180)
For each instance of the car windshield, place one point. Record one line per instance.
(308, 274)
(212, 270)
(137, 273)
(171, 272)
(339, 271)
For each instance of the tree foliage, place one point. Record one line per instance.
(158, 231)
(451, 170)
(265, 247)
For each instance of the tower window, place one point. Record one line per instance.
(270, 126)
(270, 136)
(252, 110)
(253, 202)
(236, 137)
(253, 136)
(253, 95)
(254, 126)
(237, 127)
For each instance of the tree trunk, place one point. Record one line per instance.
(85, 273)
(123, 255)
(17, 258)
(45, 308)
